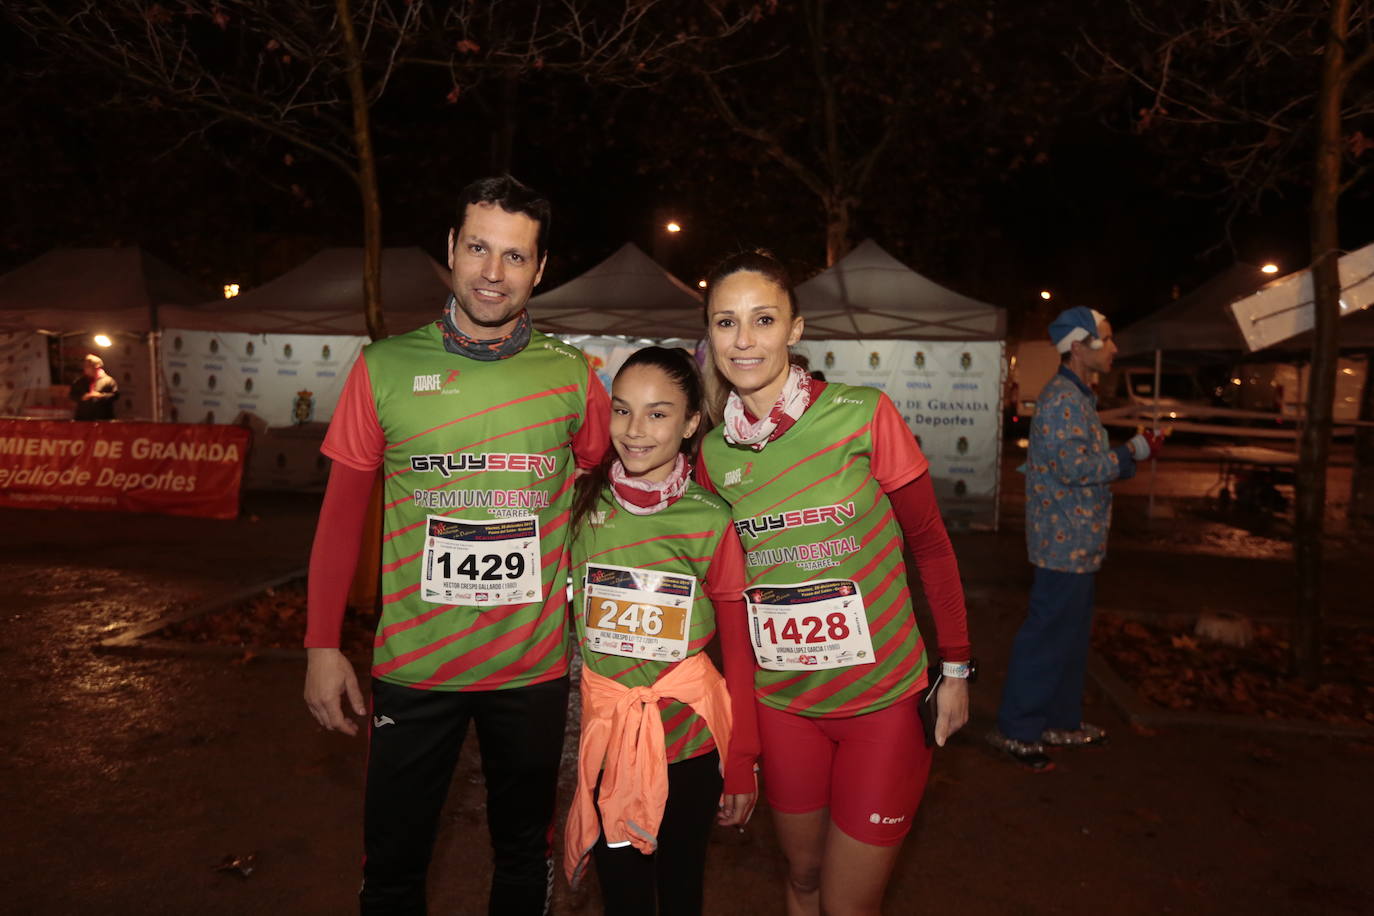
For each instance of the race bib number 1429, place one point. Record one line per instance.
(481, 563)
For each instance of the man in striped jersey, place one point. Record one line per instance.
(474, 423)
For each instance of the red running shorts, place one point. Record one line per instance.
(869, 770)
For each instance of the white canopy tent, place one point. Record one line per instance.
(870, 295)
(627, 294)
(79, 292)
(325, 296)
(72, 290)
(275, 358)
(939, 355)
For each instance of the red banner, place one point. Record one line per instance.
(169, 468)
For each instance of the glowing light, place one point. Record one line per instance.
(1023, 443)
(701, 284)
(673, 227)
(1235, 381)
(102, 340)
(231, 290)
(1269, 269)
(1045, 294)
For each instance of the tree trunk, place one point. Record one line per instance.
(1326, 289)
(366, 178)
(1362, 470)
(838, 209)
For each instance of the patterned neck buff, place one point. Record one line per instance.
(644, 497)
(791, 404)
(460, 344)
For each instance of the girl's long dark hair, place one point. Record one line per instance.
(679, 366)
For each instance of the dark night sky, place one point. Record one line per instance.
(1101, 218)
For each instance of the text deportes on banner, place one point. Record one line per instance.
(166, 468)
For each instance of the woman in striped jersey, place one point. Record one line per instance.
(657, 572)
(827, 485)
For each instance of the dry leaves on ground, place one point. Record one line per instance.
(273, 619)
(1175, 669)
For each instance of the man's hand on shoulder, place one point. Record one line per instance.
(328, 678)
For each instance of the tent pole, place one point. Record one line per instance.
(155, 375)
(1154, 462)
(1001, 433)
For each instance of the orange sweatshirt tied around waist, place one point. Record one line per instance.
(622, 735)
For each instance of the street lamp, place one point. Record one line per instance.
(231, 290)
(1269, 269)
(673, 227)
(1045, 294)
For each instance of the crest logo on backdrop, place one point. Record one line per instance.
(304, 407)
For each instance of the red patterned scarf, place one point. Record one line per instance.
(644, 497)
(792, 402)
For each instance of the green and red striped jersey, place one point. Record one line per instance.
(475, 456)
(689, 540)
(811, 506)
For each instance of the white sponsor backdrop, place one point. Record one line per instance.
(23, 370)
(285, 379)
(950, 395)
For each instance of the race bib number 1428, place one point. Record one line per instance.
(811, 625)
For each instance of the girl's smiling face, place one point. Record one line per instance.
(649, 421)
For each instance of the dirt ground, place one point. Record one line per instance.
(126, 780)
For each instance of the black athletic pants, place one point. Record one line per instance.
(668, 881)
(412, 752)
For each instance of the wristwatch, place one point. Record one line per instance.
(966, 671)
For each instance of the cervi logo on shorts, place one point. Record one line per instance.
(876, 818)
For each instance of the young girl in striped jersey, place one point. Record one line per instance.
(657, 573)
(826, 484)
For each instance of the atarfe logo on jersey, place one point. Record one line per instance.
(819, 515)
(447, 465)
(436, 383)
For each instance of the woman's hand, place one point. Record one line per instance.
(951, 705)
(735, 809)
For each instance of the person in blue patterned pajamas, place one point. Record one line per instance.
(1069, 469)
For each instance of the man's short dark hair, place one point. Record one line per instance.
(513, 197)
